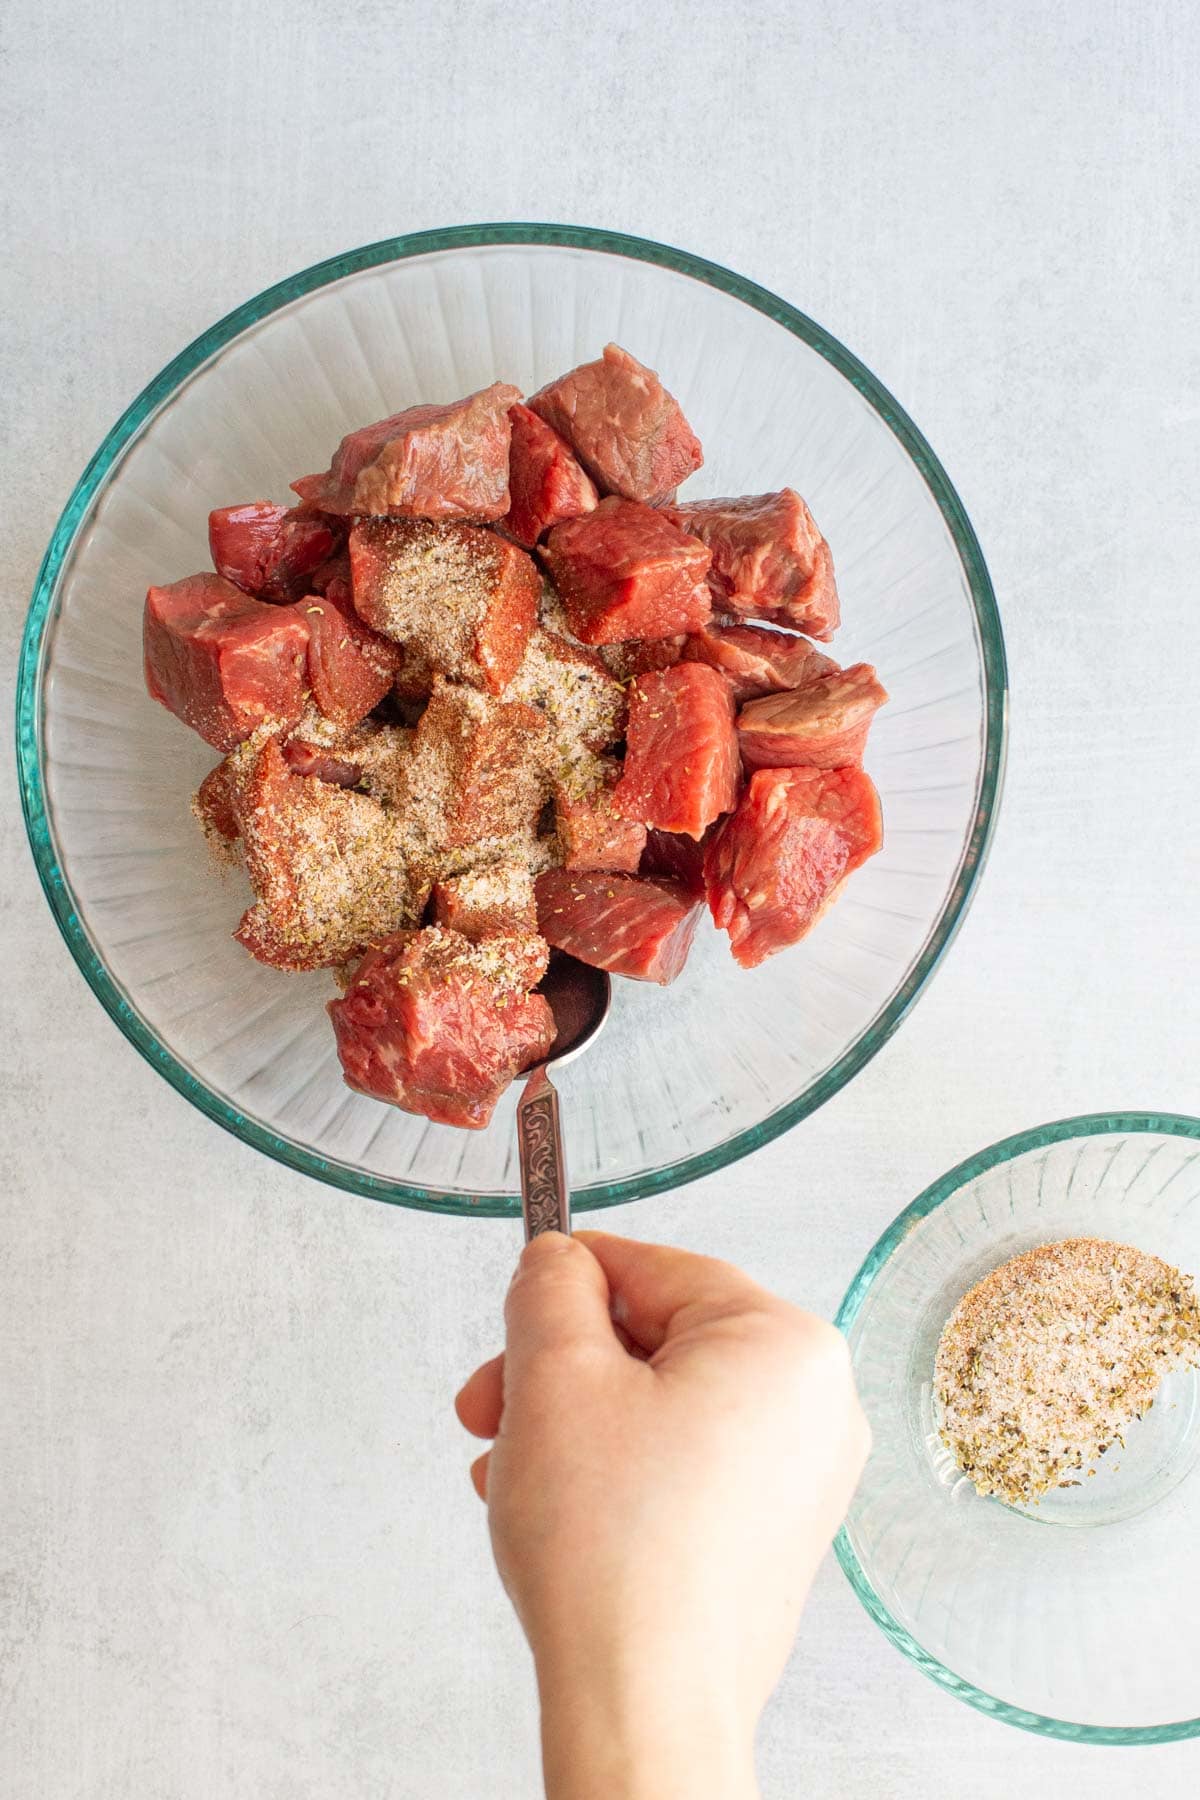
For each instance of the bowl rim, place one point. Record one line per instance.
(1085, 1125)
(29, 707)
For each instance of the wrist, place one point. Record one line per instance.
(610, 1732)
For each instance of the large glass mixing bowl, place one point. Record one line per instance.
(685, 1080)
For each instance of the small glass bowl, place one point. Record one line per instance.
(1078, 1618)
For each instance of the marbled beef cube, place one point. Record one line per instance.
(546, 484)
(775, 866)
(439, 1026)
(769, 561)
(462, 600)
(222, 661)
(625, 571)
(626, 429)
(428, 462)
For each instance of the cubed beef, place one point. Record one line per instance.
(484, 902)
(267, 550)
(223, 662)
(217, 800)
(681, 758)
(350, 667)
(627, 431)
(475, 770)
(215, 804)
(822, 725)
(624, 661)
(623, 923)
(429, 462)
(584, 707)
(777, 863)
(625, 571)
(590, 834)
(545, 482)
(329, 867)
(678, 859)
(463, 597)
(769, 561)
(755, 660)
(439, 1026)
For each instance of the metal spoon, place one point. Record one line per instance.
(579, 998)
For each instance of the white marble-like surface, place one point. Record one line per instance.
(239, 1557)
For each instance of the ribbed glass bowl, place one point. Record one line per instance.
(1079, 1617)
(684, 1080)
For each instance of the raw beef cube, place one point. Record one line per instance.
(584, 707)
(622, 424)
(267, 550)
(465, 598)
(350, 667)
(545, 483)
(590, 833)
(624, 661)
(329, 868)
(769, 561)
(488, 901)
(222, 662)
(439, 1026)
(823, 725)
(215, 805)
(625, 571)
(622, 923)
(681, 759)
(755, 660)
(429, 462)
(679, 859)
(774, 867)
(475, 770)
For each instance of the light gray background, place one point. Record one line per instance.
(239, 1557)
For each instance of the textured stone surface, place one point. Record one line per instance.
(239, 1555)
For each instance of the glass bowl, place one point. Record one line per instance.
(1078, 1618)
(264, 395)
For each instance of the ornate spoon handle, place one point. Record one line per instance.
(545, 1197)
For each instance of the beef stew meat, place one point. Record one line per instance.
(624, 572)
(222, 661)
(429, 462)
(546, 483)
(270, 551)
(494, 685)
(681, 758)
(821, 725)
(628, 924)
(438, 1025)
(754, 659)
(627, 431)
(769, 561)
(779, 861)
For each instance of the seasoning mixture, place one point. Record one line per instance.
(1045, 1362)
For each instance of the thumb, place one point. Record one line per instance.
(558, 1299)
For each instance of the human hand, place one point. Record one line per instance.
(674, 1450)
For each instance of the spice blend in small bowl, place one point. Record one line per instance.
(1045, 1363)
